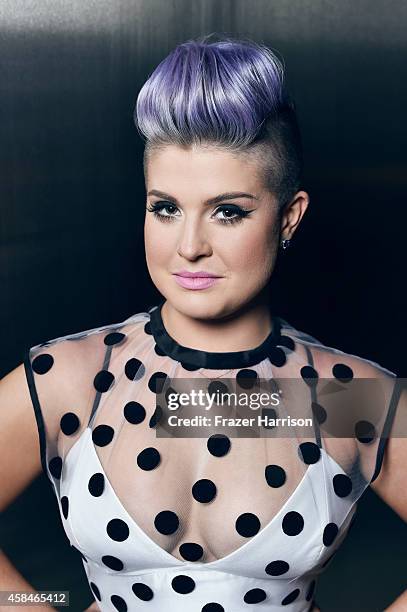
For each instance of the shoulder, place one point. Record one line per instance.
(356, 399)
(86, 340)
(69, 363)
(330, 361)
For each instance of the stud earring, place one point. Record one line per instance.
(285, 243)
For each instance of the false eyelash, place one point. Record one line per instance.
(241, 214)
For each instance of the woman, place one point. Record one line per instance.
(223, 519)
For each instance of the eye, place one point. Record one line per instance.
(158, 207)
(239, 213)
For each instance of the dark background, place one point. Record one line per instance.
(72, 212)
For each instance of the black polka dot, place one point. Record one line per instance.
(290, 597)
(275, 475)
(309, 452)
(183, 584)
(213, 607)
(293, 523)
(95, 590)
(134, 413)
(191, 551)
(69, 423)
(330, 533)
(166, 522)
(246, 378)
(147, 328)
(167, 394)
(157, 381)
(156, 416)
(102, 435)
(142, 591)
(65, 506)
(55, 467)
(134, 369)
(268, 414)
(365, 432)
(204, 490)
(319, 412)
(189, 366)
(96, 484)
(277, 356)
(119, 603)
(159, 351)
(112, 562)
(114, 338)
(218, 445)
(342, 485)
(342, 372)
(247, 524)
(217, 386)
(255, 596)
(277, 568)
(43, 363)
(287, 342)
(148, 459)
(117, 530)
(103, 381)
(309, 375)
(310, 590)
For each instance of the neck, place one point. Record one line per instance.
(242, 330)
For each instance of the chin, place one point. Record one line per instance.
(198, 304)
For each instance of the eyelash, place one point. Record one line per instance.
(240, 212)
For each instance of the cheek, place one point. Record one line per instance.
(253, 250)
(158, 242)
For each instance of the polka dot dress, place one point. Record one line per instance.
(222, 521)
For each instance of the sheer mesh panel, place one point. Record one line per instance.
(95, 403)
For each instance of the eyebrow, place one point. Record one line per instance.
(219, 198)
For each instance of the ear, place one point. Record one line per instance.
(292, 214)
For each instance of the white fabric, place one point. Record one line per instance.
(232, 571)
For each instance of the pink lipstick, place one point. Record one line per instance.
(195, 280)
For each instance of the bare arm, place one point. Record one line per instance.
(400, 605)
(391, 483)
(12, 580)
(19, 463)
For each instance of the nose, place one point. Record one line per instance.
(193, 241)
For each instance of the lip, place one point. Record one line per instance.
(199, 274)
(196, 282)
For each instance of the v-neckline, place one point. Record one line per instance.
(156, 548)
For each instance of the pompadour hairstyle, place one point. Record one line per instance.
(229, 93)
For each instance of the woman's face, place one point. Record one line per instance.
(213, 215)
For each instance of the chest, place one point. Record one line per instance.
(217, 503)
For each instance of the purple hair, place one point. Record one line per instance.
(229, 93)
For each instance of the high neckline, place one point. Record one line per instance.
(193, 359)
